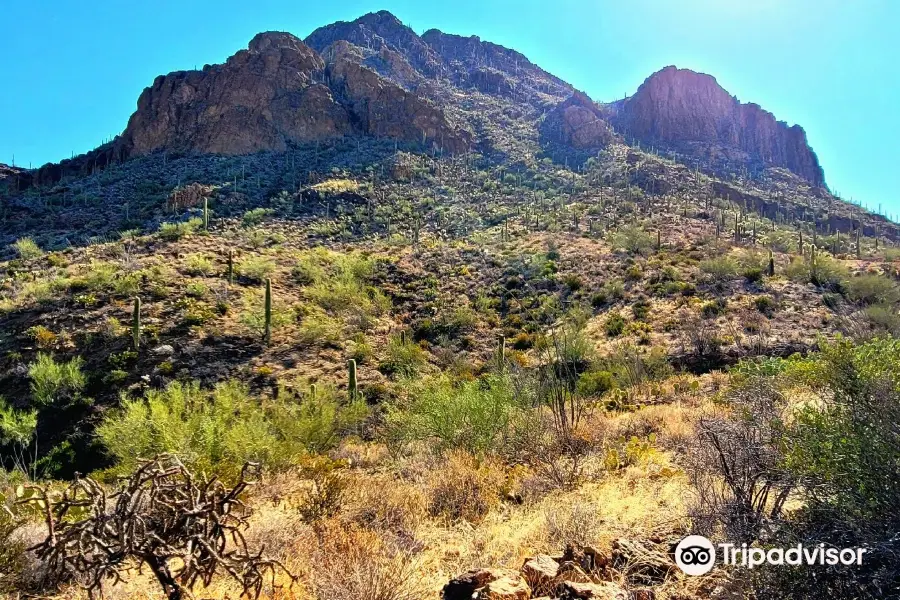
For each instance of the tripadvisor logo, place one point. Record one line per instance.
(696, 555)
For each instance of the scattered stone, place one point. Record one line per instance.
(642, 561)
(164, 350)
(509, 587)
(571, 571)
(540, 571)
(470, 584)
(571, 590)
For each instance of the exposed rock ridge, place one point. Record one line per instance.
(468, 58)
(278, 91)
(680, 107)
(577, 122)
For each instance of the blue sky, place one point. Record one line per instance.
(73, 71)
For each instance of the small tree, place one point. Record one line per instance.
(161, 512)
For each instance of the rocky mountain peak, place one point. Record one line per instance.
(691, 112)
(277, 92)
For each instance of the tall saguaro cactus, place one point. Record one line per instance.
(136, 323)
(231, 266)
(268, 314)
(206, 214)
(501, 352)
(352, 387)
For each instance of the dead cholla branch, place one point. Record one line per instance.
(161, 512)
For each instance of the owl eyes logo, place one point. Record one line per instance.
(695, 555)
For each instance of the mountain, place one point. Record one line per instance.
(375, 76)
(681, 108)
(280, 91)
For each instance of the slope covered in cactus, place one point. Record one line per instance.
(514, 363)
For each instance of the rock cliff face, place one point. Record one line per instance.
(375, 76)
(680, 107)
(279, 91)
(577, 122)
(491, 68)
(382, 108)
(260, 99)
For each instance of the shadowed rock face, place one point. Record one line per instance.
(279, 91)
(260, 99)
(383, 108)
(679, 107)
(491, 68)
(577, 122)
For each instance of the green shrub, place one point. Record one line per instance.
(823, 271)
(753, 274)
(255, 216)
(764, 304)
(402, 358)
(870, 289)
(595, 383)
(714, 308)
(615, 324)
(640, 310)
(199, 264)
(720, 269)
(848, 449)
(175, 231)
(472, 416)
(218, 430)
(27, 249)
(883, 318)
(256, 268)
(56, 383)
(633, 239)
(572, 281)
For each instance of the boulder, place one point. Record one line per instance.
(540, 572)
(570, 590)
(477, 582)
(642, 561)
(577, 122)
(508, 587)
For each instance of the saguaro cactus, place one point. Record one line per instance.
(501, 352)
(858, 246)
(205, 214)
(231, 266)
(268, 329)
(352, 387)
(136, 323)
(771, 264)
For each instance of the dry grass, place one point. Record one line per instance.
(407, 527)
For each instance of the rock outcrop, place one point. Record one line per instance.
(260, 99)
(279, 91)
(579, 573)
(680, 108)
(492, 68)
(577, 122)
(376, 31)
(382, 108)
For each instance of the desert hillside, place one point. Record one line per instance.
(388, 316)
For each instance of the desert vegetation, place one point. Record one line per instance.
(368, 369)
